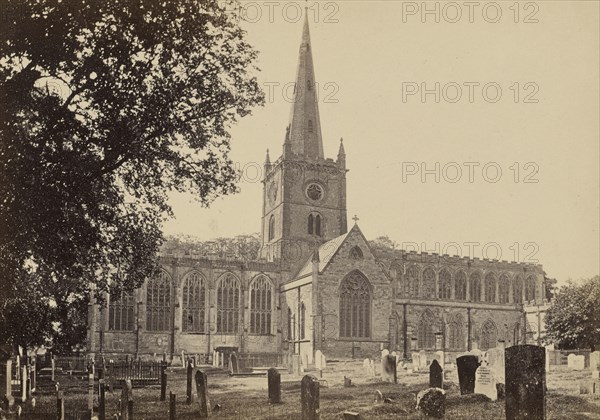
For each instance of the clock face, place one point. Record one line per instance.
(273, 192)
(314, 191)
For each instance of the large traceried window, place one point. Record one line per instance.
(261, 291)
(460, 285)
(518, 289)
(489, 335)
(429, 283)
(158, 303)
(412, 278)
(355, 306)
(503, 288)
(445, 284)
(475, 287)
(426, 337)
(490, 287)
(228, 304)
(194, 303)
(456, 334)
(120, 313)
(530, 288)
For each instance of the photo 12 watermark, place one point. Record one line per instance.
(286, 11)
(470, 172)
(470, 12)
(453, 92)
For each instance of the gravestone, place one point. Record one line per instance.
(101, 400)
(423, 361)
(440, 356)
(233, 363)
(525, 382)
(372, 367)
(432, 402)
(6, 390)
(415, 361)
(367, 367)
(388, 369)
(595, 361)
(202, 390)
(126, 400)
(485, 383)
(495, 360)
(310, 398)
(579, 362)
(384, 353)
(347, 382)
(189, 380)
(274, 382)
(467, 365)
(435, 375)
(478, 353)
(571, 360)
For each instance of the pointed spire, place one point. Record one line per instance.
(341, 157)
(268, 159)
(305, 125)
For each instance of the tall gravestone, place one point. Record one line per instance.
(6, 385)
(495, 360)
(466, 366)
(525, 382)
(435, 375)
(485, 383)
(233, 363)
(388, 369)
(202, 390)
(126, 400)
(189, 378)
(274, 381)
(310, 398)
(571, 360)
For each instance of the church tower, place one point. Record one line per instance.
(304, 194)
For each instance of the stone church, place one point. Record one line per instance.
(318, 284)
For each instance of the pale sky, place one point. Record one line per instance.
(371, 63)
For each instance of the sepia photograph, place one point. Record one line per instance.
(299, 209)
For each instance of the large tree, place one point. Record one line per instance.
(107, 106)
(573, 319)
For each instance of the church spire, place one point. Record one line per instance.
(305, 126)
(341, 157)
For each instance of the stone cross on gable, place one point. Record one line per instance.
(356, 219)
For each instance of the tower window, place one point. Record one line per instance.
(271, 228)
(309, 84)
(314, 225)
(310, 126)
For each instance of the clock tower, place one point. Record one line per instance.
(304, 194)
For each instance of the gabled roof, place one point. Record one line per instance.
(326, 253)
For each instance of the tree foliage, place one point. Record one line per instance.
(243, 247)
(573, 319)
(106, 106)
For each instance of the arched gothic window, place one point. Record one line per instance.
(426, 337)
(503, 288)
(261, 291)
(445, 284)
(489, 335)
(228, 304)
(460, 284)
(314, 224)
(194, 303)
(355, 306)
(490, 287)
(456, 334)
(302, 321)
(356, 253)
(400, 285)
(530, 288)
(271, 228)
(518, 289)
(158, 303)
(475, 287)
(120, 313)
(429, 283)
(412, 277)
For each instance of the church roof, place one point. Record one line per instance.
(326, 253)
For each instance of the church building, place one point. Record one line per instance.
(318, 284)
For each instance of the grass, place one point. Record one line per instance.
(246, 398)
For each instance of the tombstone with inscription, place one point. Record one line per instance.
(435, 374)
(466, 366)
(388, 369)
(525, 382)
(485, 383)
(495, 360)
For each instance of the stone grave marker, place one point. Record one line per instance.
(435, 374)
(415, 361)
(525, 382)
(467, 365)
(384, 353)
(432, 402)
(571, 360)
(233, 363)
(274, 381)
(202, 390)
(495, 360)
(579, 362)
(372, 367)
(126, 400)
(310, 398)
(423, 361)
(367, 367)
(6, 390)
(595, 361)
(388, 369)
(485, 383)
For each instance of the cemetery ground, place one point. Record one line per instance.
(247, 398)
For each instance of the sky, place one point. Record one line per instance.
(476, 135)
